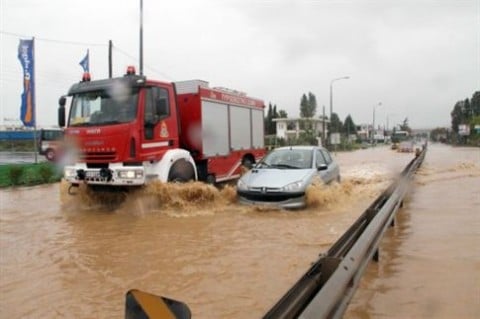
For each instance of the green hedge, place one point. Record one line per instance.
(29, 174)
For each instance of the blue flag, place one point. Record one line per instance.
(26, 57)
(85, 63)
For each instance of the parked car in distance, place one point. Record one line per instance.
(283, 175)
(50, 143)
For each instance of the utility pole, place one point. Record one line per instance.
(373, 124)
(141, 37)
(110, 47)
(330, 131)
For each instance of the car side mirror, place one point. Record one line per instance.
(322, 167)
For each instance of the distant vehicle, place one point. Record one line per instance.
(399, 136)
(50, 143)
(282, 177)
(406, 147)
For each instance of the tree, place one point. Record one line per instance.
(270, 125)
(282, 114)
(467, 110)
(475, 103)
(457, 116)
(335, 124)
(303, 106)
(349, 125)
(404, 126)
(308, 105)
(268, 119)
(312, 102)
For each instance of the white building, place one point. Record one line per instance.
(288, 128)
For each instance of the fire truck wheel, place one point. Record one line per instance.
(181, 172)
(50, 155)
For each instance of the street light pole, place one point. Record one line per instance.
(331, 99)
(373, 124)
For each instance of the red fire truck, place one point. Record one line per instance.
(130, 130)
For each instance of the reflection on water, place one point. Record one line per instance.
(76, 256)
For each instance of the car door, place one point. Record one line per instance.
(321, 160)
(333, 170)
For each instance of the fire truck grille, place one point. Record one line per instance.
(98, 156)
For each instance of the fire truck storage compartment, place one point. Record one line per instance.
(257, 128)
(216, 122)
(214, 129)
(245, 131)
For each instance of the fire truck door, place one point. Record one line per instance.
(157, 120)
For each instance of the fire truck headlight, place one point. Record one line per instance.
(130, 174)
(70, 172)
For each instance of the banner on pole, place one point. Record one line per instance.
(85, 63)
(26, 57)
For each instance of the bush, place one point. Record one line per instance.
(45, 173)
(14, 174)
(28, 174)
(31, 176)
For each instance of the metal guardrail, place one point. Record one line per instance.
(325, 290)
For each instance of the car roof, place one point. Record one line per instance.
(298, 147)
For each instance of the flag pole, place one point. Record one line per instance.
(34, 103)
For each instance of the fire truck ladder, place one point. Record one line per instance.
(325, 290)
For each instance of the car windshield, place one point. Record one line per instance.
(103, 108)
(287, 159)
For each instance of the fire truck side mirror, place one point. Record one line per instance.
(61, 111)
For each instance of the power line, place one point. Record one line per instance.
(86, 44)
(53, 40)
(147, 66)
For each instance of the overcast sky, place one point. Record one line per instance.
(416, 58)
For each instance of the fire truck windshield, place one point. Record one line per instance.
(101, 108)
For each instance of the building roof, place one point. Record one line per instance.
(300, 119)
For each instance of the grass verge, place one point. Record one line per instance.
(29, 174)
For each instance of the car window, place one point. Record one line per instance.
(327, 156)
(319, 159)
(288, 158)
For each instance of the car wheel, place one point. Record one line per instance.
(50, 155)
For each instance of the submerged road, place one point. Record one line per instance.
(75, 257)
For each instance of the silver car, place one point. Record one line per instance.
(283, 175)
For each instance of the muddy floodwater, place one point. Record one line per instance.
(76, 256)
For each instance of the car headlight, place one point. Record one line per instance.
(130, 174)
(241, 185)
(293, 187)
